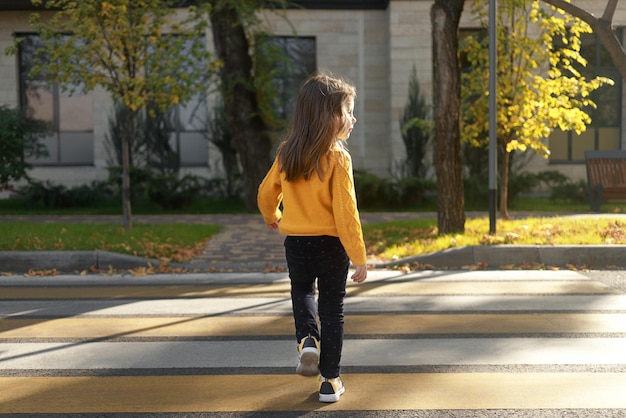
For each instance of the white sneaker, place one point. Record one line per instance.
(308, 357)
(331, 389)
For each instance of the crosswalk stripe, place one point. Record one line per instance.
(282, 290)
(229, 393)
(281, 353)
(282, 306)
(272, 325)
(422, 341)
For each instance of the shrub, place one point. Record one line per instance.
(562, 188)
(412, 191)
(171, 192)
(374, 192)
(570, 191)
(229, 188)
(55, 196)
(476, 190)
(552, 178)
(522, 183)
(371, 190)
(139, 180)
(559, 185)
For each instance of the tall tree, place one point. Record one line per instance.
(602, 26)
(538, 86)
(445, 16)
(249, 133)
(123, 46)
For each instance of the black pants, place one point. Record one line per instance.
(322, 258)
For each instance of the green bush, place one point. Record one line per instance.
(477, 188)
(558, 184)
(371, 190)
(55, 196)
(172, 192)
(562, 188)
(522, 183)
(140, 178)
(374, 192)
(552, 178)
(570, 191)
(229, 188)
(412, 191)
(476, 192)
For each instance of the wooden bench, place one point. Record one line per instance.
(606, 176)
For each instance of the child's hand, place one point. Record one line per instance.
(360, 274)
(273, 226)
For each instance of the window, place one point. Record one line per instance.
(171, 137)
(188, 136)
(187, 125)
(604, 131)
(292, 59)
(282, 64)
(70, 116)
(298, 65)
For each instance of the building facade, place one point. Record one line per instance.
(374, 43)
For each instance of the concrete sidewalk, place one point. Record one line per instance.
(245, 244)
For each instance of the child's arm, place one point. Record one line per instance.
(269, 197)
(346, 213)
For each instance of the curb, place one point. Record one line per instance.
(498, 256)
(488, 257)
(69, 261)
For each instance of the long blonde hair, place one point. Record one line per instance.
(318, 118)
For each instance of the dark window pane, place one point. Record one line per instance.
(68, 114)
(187, 123)
(299, 63)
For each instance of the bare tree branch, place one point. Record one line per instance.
(609, 11)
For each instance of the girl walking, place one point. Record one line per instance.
(308, 194)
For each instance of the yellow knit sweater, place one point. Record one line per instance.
(314, 206)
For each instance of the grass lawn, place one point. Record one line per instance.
(175, 242)
(18, 206)
(181, 242)
(405, 238)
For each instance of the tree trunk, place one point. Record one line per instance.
(126, 202)
(504, 184)
(249, 134)
(445, 16)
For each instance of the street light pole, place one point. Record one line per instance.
(493, 138)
